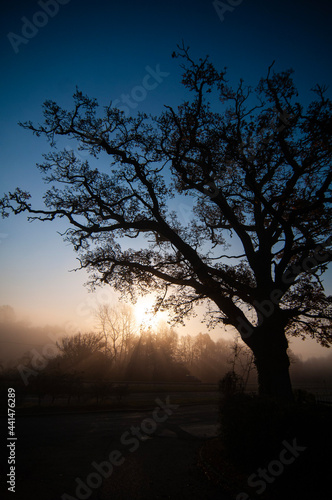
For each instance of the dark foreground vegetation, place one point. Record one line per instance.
(268, 449)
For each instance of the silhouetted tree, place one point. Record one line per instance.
(142, 361)
(186, 351)
(155, 357)
(167, 341)
(241, 360)
(84, 353)
(80, 346)
(117, 327)
(256, 168)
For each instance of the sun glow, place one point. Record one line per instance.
(145, 315)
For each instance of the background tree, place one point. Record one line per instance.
(256, 168)
(80, 346)
(117, 328)
(186, 350)
(242, 360)
(82, 353)
(167, 340)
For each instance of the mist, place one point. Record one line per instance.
(159, 354)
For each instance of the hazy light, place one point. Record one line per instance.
(145, 315)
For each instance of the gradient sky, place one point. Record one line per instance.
(104, 47)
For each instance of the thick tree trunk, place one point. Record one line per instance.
(269, 345)
(273, 374)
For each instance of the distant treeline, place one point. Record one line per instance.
(118, 351)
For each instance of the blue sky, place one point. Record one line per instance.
(104, 48)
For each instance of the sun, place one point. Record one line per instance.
(145, 315)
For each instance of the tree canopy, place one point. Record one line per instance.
(254, 164)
